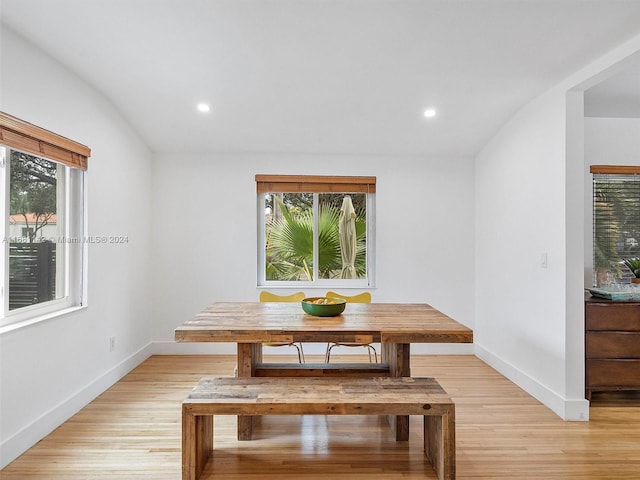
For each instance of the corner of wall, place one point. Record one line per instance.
(30, 434)
(567, 409)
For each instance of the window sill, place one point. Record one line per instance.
(38, 319)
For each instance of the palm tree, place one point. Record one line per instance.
(289, 244)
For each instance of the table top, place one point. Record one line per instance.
(256, 322)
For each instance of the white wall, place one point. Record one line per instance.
(523, 197)
(48, 231)
(529, 321)
(608, 141)
(520, 217)
(51, 369)
(424, 228)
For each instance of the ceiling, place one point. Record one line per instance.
(322, 76)
(617, 96)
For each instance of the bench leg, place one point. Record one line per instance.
(440, 443)
(197, 443)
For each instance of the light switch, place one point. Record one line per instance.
(544, 260)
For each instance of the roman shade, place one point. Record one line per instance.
(24, 136)
(314, 184)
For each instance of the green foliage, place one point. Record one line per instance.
(634, 265)
(33, 190)
(289, 246)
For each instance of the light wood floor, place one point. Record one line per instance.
(132, 431)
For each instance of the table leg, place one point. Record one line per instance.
(249, 355)
(397, 356)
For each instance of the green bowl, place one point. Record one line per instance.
(336, 307)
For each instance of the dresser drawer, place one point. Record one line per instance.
(612, 345)
(612, 316)
(613, 373)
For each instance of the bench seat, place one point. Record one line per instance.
(318, 396)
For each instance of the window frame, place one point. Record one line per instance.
(316, 185)
(18, 135)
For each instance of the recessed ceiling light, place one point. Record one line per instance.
(203, 107)
(430, 112)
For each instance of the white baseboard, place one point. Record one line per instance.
(32, 433)
(17, 444)
(187, 348)
(215, 348)
(571, 410)
(442, 349)
(28, 436)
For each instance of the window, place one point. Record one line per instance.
(42, 182)
(316, 230)
(616, 219)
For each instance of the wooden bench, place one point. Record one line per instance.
(318, 396)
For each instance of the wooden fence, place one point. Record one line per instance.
(32, 273)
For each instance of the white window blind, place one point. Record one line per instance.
(616, 214)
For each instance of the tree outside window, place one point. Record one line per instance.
(33, 192)
(302, 240)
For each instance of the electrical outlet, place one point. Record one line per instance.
(112, 344)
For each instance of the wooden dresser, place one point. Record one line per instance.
(612, 345)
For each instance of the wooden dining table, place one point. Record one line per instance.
(394, 325)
